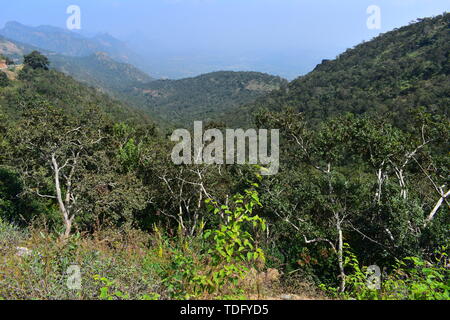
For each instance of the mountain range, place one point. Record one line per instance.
(406, 68)
(101, 62)
(69, 43)
(98, 69)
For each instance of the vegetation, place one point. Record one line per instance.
(411, 279)
(36, 60)
(4, 81)
(100, 71)
(61, 91)
(402, 69)
(88, 182)
(206, 97)
(64, 42)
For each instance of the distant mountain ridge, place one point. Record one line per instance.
(205, 97)
(70, 43)
(97, 70)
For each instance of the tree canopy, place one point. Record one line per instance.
(36, 60)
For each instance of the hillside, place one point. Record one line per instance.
(100, 71)
(97, 70)
(69, 43)
(405, 68)
(61, 91)
(15, 50)
(206, 97)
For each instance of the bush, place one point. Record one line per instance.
(412, 278)
(4, 81)
(36, 60)
(215, 264)
(44, 273)
(10, 236)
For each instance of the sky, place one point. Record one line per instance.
(188, 37)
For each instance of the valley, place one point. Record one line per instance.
(89, 184)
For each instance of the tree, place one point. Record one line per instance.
(76, 161)
(51, 150)
(360, 180)
(7, 60)
(4, 81)
(36, 60)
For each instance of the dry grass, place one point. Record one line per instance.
(132, 260)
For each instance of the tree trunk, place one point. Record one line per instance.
(340, 253)
(438, 205)
(59, 197)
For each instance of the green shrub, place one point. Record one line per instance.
(4, 81)
(43, 274)
(212, 265)
(412, 278)
(10, 236)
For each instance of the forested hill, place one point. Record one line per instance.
(405, 68)
(98, 70)
(206, 97)
(29, 87)
(68, 43)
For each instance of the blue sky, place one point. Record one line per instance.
(287, 37)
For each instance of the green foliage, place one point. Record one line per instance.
(108, 293)
(231, 241)
(398, 70)
(7, 60)
(4, 81)
(105, 290)
(14, 207)
(208, 96)
(129, 155)
(412, 278)
(179, 276)
(222, 260)
(424, 281)
(233, 245)
(36, 60)
(348, 170)
(65, 93)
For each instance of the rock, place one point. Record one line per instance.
(286, 297)
(23, 252)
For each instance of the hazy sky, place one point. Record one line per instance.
(266, 34)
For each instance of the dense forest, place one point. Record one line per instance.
(404, 68)
(88, 181)
(207, 97)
